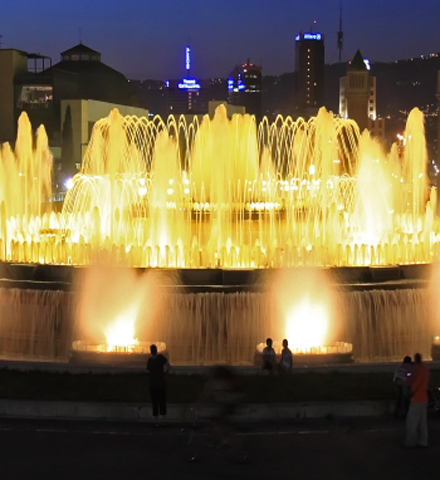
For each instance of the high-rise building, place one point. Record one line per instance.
(187, 95)
(245, 88)
(309, 72)
(357, 96)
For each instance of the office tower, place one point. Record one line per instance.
(187, 95)
(309, 72)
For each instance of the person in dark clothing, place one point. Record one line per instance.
(402, 382)
(416, 420)
(269, 363)
(157, 367)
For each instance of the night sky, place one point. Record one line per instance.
(146, 38)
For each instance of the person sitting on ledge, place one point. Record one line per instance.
(268, 363)
(286, 362)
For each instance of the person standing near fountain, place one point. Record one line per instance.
(286, 362)
(416, 420)
(402, 384)
(157, 367)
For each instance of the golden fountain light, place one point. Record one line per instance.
(222, 193)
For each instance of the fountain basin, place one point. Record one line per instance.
(92, 353)
(340, 352)
(311, 358)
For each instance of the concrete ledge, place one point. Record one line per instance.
(98, 369)
(185, 413)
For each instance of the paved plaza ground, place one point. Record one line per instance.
(312, 449)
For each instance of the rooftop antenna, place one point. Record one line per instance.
(312, 27)
(80, 35)
(340, 37)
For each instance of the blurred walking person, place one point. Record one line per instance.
(416, 420)
(221, 396)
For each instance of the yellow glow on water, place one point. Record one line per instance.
(119, 309)
(307, 325)
(121, 332)
(305, 310)
(222, 193)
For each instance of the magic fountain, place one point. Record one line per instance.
(222, 194)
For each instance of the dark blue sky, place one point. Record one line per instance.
(146, 38)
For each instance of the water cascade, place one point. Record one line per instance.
(207, 328)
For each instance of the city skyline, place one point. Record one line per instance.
(148, 41)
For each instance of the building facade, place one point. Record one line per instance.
(79, 75)
(13, 64)
(77, 120)
(187, 96)
(67, 98)
(245, 88)
(310, 59)
(357, 97)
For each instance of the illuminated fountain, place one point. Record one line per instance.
(117, 312)
(225, 194)
(304, 308)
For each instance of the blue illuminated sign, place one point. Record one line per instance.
(297, 38)
(189, 84)
(312, 36)
(188, 58)
(230, 84)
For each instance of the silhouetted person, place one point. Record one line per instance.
(157, 366)
(286, 361)
(402, 383)
(416, 420)
(268, 363)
